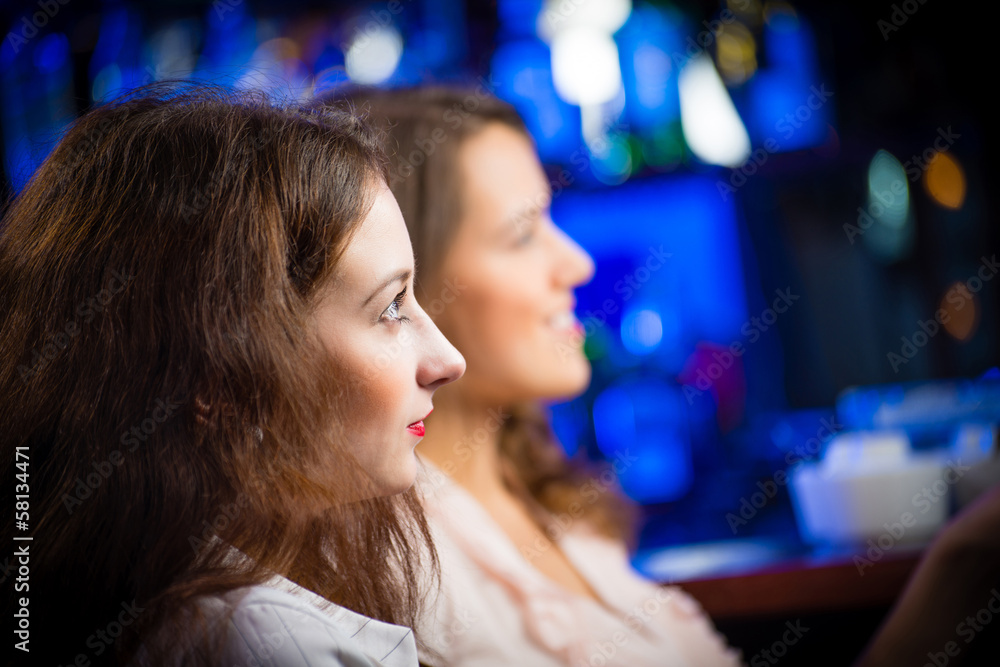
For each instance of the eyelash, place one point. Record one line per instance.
(397, 303)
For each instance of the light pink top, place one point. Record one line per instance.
(495, 608)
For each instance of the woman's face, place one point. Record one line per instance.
(512, 274)
(391, 355)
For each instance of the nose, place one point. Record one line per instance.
(574, 266)
(440, 363)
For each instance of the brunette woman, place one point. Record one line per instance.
(532, 545)
(214, 377)
(535, 570)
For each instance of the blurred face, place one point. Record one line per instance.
(391, 354)
(513, 272)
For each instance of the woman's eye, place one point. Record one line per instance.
(392, 312)
(526, 233)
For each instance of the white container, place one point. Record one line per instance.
(870, 485)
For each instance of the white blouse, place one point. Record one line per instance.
(281, 624)
(495, 608)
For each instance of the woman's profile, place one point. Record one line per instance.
(215, 374)
(532, 545)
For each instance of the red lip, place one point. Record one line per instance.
(417, 428)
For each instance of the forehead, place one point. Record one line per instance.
(380, 245)
(500, 170)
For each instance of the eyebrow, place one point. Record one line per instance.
(402, 276)
(520, 214)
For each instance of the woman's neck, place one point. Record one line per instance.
(463, 440)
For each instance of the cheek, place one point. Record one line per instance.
(373, 388)
(492, 320)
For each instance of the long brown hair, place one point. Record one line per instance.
(160, 372)
(425, 129)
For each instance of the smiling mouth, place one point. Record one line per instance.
(566, 323)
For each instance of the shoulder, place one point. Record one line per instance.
(275, 627)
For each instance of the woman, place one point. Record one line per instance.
(215, 375)
(535, 570)
(531, 546)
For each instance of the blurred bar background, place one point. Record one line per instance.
(788, 205)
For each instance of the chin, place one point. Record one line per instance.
(396, 486)
(572, 380)
(398, 489)
(400, 479)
